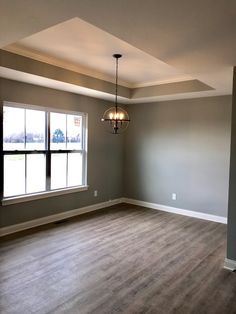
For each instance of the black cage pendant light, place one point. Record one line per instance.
(115, 118)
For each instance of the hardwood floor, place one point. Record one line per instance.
(125, 259)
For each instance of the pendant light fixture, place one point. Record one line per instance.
(115, 118)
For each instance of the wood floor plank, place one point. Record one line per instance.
(124, 259)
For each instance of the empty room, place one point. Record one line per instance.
(118, 156)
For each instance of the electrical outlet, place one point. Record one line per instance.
(95, 193)
(174, 196)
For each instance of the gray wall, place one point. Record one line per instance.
(180, 147)
(105, 153)
(170, 147)
(231, 247)
(27, 65)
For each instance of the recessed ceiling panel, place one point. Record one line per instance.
(82, 47)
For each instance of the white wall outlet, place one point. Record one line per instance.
(174, 196)
(95, 193)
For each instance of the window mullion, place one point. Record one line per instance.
(1, 155)
(48, 153)
(25, 128)
(84, 152)
(82, 134)
(25, 153)
(66, 131)
(25, 173)
(67, 169)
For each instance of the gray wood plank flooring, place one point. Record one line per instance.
(124, 259)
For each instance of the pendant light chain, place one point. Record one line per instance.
(115, 118)
(116, 83)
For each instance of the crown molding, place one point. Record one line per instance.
(39, 56)
(25, 69)
(33, 54)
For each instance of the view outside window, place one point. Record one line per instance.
(35, 129)
(23, 129)
(35, 173)
(66, 134)
(75, 162)
(14, 175)
(13, 128)
(66, 131)
(59, 171)
(74, 132)
(34, 163)
(58, 130)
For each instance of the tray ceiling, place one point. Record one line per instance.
(163, 42)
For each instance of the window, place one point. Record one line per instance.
(43, 150)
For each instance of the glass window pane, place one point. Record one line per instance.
(74, 132)
(75, 172)
(13, 128)
(58, 130)
(14, 175)
(36, 173)
(58, 170)
(35, 130)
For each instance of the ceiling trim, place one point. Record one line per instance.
(32, 54)
(41, 69)
(160, 82)
(35, 55)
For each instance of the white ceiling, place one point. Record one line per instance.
(193, 38)
(80, 46)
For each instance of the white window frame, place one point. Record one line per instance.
(84, 151)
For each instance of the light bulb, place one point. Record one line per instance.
(111, 115)
(121, 116)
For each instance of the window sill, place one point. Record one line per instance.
(36, 196)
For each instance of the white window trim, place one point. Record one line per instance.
(40, 195)
(45, 194)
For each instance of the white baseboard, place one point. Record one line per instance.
(52, 218)
(230, 264)
(78, 211)
(175, 210)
